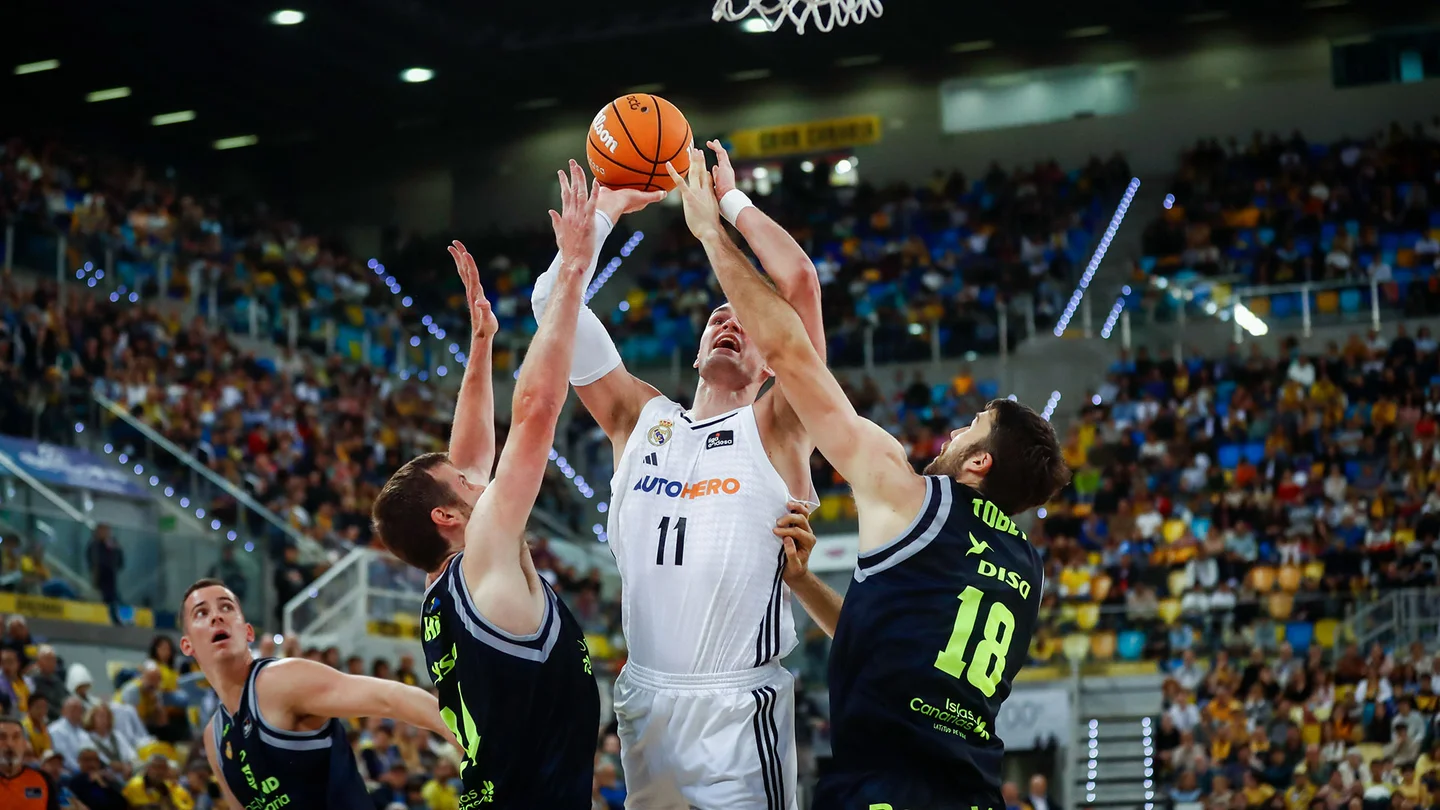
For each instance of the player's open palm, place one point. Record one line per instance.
(575, 223)
(723, 174)
(702, 210)
(799, 540)
(482, 320)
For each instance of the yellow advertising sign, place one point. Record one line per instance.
(43, 607)
(813, 136)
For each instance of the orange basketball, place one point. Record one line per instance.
(633, 137)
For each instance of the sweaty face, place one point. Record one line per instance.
(215, 627)
(962, 444)
(726, 355)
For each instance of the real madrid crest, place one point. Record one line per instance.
(660, 434)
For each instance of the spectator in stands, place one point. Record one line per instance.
(47, 680)
(54, 766)
(1039, 796)
(69, 734)
(37, 723)
(116, 751)
(290, 579)
(155, 788)
(14, 691)
(442, 791)
(106, 559)
(144, 695)
(202, 787)
(79, 683)
(18, 638)
(392, 789)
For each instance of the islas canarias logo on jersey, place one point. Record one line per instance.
(657, 485)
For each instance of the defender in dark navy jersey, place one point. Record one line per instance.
(276, 741)
(938, 619)
(508, 659)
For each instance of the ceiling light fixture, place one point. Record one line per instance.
(108, 95)
(37, 67)
(236, 142)
(415, 75)
(173, 118)
(287, 16)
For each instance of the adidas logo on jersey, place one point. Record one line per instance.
(652, 460)
(720, 438)
(680, 489)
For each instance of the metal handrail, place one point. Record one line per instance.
(309, 549)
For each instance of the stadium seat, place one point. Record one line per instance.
(1262, 578)
(1289, 578)
(1228, 456)
(1100, 587)
(1300, 635)
(1178, 580)
(1087, 616)
(1327, 632)
(1131, 645)
(1327, 302)
(1169, 610)
(1280, 605)
(1102, 646)
(1349, 301)
(1260, 305)
(1314, 571)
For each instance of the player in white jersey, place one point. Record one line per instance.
(705, 711)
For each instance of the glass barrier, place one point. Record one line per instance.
(158, 563)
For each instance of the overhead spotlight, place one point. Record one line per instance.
(173, 118)
(415, 75)
(843, 167)
(37, 67)
(108, 95)
(236, 142)
(807, 166)
(755, 25)
(287, 16)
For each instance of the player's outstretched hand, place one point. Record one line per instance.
(575, 224)
(616, 202)
(482, 321)
(723, 174)
(702, 210)
(794, 532)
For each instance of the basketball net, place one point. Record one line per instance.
(823, 14)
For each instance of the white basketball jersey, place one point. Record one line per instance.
(691, 523)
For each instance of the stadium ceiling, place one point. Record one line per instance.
(335, 78)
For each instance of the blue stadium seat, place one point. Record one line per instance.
(1284, 305)
(1350, 300)
(1300, 635)
(1130, 645)
(1254, 452)
(987, 389)
(1228, 456)
(1352, 227)
(1267, 237)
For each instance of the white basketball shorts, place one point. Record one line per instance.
(710, 742)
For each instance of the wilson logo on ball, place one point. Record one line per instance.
(605, 137)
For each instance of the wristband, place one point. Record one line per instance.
(732, 203)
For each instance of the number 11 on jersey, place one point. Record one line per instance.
(987, 668)
(679, 540)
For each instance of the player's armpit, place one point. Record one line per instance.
(615, 402)
(214, 758)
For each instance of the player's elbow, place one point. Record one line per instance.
(789, 349)
(532, 405)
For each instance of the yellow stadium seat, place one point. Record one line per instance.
(830, 507)
(1279, 633)
(1173, 530)
(1314, 571)
(1178, 581)
(1280, 605)
(1326, 631)
(1075, 645)
(1262, 578)
(1169, 610)
(1100, 587)
(1289, 578)
(1327, 302)
(1087, 616)
(1102, 646)
(1260, 305)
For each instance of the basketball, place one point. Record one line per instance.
(633, 137)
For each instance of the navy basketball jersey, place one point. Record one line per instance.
(268, 768)
(525, 709)
(934, 628)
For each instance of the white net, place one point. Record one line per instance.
(822, 14)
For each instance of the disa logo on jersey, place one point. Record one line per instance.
(680, 489)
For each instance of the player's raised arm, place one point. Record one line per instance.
(871, 460)
(300, 688)
(611, 393)
(472, 436)
(784, 260)
(496, 528)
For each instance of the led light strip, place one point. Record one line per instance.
(1093, 765)
(1050, 406)
(1098, 257)
(169, 492)
(1148, 740)
(1114, 314)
